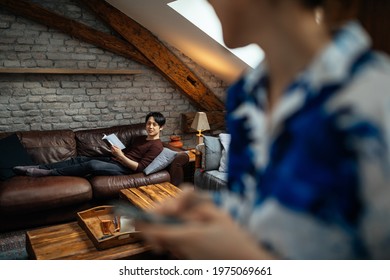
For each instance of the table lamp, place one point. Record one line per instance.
(200, 124)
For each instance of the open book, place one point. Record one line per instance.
(114, 140)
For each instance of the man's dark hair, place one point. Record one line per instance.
(158, 117)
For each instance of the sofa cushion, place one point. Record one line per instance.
(12, 154)
(33, 194)
(212, 180)
(91, 144)
(49, 146)
(213, 152)
(161, 161)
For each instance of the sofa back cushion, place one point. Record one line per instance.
(90, 143)
(49, 146)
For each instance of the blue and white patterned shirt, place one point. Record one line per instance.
(312, 181)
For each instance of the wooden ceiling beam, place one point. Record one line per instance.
(75, 29)
(164, 60)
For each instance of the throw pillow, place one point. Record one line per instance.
(12, 154)
(161, 161)
(225, 141)
(213, 152)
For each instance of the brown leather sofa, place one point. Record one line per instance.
(27, 202)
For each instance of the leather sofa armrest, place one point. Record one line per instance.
(200, 156)
(198, 159)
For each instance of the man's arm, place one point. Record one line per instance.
(125, 161)
(154, 149)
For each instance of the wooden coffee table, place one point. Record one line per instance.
(145, 196)
(70, 241)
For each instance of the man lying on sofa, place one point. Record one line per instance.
(132, 159)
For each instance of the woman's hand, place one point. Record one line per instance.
(206, 231)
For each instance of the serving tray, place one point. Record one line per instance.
(105, 229)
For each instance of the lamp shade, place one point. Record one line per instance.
(200, 122)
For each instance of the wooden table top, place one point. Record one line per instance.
(70, 242)
(146, 196)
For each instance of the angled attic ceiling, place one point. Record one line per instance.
(171, 27)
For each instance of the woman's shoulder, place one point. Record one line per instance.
(368, 91)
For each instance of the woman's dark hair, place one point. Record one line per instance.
(158, 117)
(312, 3)
(373, 15)
(335, 11)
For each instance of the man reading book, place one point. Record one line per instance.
(132, 159)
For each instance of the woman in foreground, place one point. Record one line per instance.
(309, 159)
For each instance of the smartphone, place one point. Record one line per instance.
(128, 209)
